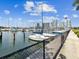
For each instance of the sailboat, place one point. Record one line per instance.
(41, 36)
(38, 37)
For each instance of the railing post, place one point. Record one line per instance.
(43, 49)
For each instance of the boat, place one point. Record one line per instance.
(38, 37)
(49, 35)
(41, 37)
(59, 32)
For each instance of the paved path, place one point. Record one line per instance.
(70, 49)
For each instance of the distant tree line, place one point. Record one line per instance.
(75, 28)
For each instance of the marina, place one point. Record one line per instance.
(39, 29)
(10, 47)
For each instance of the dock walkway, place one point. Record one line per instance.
(70, 50)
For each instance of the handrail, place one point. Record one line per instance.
(20, 50)
(44, 43)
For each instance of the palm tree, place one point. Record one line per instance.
(76, 4)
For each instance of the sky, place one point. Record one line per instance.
(24, 13)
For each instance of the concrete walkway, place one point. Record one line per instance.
(70, 50)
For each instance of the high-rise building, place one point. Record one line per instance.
(61, 25)
(54, 24)
(67, 23)
(38, 27)
(46, 27)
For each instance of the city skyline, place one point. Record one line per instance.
(22, 12)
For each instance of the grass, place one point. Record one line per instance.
(76, 31)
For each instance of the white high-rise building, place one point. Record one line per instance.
(67, 23)
(61, 25)
(46, 27)
(54, 24)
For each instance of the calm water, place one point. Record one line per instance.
(9, 45)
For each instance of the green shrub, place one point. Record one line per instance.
(76, 31)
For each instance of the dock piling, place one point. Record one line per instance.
(0, 35)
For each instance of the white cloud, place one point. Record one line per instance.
(7, 12)
(34, 14)
(49, 18)
(37, 7)
(46, 8)
(19, 19)
(16, 5)
(65, 16)
(28, 6)
(75, 15)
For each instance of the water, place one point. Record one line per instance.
(9, 45)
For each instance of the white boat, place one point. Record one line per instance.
(62, 31)
(38, 37)
(41, 37)
(49, 35)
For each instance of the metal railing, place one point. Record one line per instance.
(46, 49)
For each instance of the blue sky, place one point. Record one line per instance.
(26, 12)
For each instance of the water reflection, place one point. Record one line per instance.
(9, 39)
(11, 42)
(0, 42)
(0, 39)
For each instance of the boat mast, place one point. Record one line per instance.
(42, 17)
